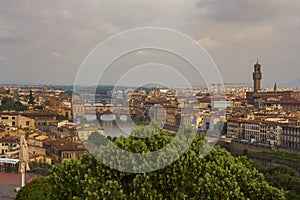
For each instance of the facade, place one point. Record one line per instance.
(274, 133)
(63, 149)
(258, 131)
(252, 131)
(236, 128)
(291, 137)
(158, 113)
(84, 132)
(17, 120)
(42, 119)
(9, 147)
(78, 110)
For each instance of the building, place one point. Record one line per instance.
(78, 109)
(158, 113)
(291, 136)
(252, 130)
(274, 133)
(264, 131)
(9, 147)
(86, 130)
(257, 75)
(15, 119)
(236, 128)
(63, 149)
(257, 97)
(43, 119)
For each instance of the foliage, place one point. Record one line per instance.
(40, 167)
(31, 98)
(97, 139)
(218, 175)
(10, 104)
(39, 107)
(137, 120)
(245, 153)
(62, 117)
(285, 178)
(284, 156)
(37, 189)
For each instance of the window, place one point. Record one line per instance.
(4, 118)
(13, 123)
(27, 123)
(13, 118)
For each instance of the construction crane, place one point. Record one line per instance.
(227, 84)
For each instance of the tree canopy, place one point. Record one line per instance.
(285, 178)
(10, 104)
(218, 175)
(97, 139)
(31, 98)
(39, 188)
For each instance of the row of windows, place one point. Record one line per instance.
(292, 139)
(41, 124)
(6, 118)
(291, 133)
(291, 145)
(252, 127)
(67, 155)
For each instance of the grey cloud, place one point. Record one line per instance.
(54, 37)
(246, 10)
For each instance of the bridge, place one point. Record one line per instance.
(91, 109)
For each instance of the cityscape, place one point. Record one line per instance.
(149, 100)
(58, 125)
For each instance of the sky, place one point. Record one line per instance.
(46, 41)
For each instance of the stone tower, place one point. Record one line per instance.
(257, 76)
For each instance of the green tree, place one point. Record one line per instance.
(31, 98)
(218, 175)
(285, 178)
(10, 104)
(39, 107)
(245, 152)
(97, 139)
(37, 189)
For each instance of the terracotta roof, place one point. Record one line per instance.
(39, 114)
(70, 146)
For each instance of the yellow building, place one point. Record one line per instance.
(41, 159)
(17, 120)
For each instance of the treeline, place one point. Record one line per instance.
(218, 175)
(282, 177)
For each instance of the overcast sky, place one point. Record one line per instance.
(45, 41)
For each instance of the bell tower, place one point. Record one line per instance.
(257, 76)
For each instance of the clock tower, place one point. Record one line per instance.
(257, 76)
